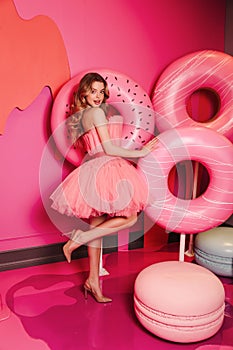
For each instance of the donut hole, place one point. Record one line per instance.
(203, 105)
(188, 179)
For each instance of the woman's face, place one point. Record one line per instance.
(95, 96)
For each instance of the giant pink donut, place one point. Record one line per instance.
(210, 209)
(199, 70)
(126, 95)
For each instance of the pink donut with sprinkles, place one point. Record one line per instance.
(208, 70)
(132, 102)
(213, 207)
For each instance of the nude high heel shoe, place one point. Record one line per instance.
(98, 298)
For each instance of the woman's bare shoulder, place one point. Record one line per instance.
(97, 115)
(93, 117)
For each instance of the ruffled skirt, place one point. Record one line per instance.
(102, 185)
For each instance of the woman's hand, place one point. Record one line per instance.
(149, 147)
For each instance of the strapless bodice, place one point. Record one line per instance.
(91, 139)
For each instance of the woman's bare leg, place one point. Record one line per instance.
(107, 227)
(93, 283)
(94, 251)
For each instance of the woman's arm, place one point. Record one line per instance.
(100, 123)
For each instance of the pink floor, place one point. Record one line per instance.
(48, 311)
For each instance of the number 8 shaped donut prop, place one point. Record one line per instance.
(130, 100)
(206, 70)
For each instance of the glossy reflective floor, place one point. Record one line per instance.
(43, 307)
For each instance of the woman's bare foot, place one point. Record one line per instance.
(73, 243)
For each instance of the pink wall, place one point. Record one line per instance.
(137, 38)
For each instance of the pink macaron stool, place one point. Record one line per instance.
(179, 301)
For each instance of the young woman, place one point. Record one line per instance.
(107, 189)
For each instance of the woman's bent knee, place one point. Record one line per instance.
(132, 220)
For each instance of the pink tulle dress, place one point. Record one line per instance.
(102, 184)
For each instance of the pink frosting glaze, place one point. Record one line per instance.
(210, 209)
(205, 69)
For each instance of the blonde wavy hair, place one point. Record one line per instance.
(74, 124)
